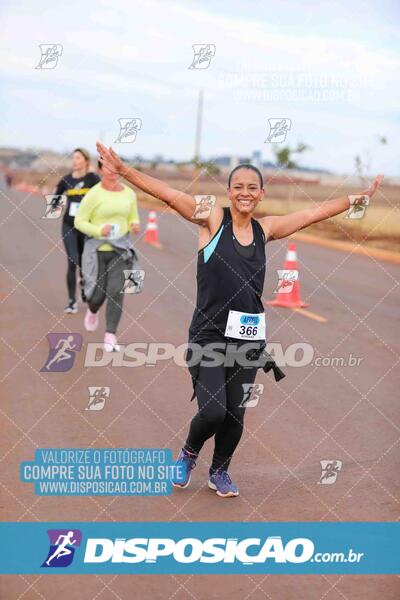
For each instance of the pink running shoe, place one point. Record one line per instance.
(91, 321)
(110, 343)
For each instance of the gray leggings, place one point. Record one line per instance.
(110, 281)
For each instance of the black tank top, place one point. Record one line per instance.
(228, 278)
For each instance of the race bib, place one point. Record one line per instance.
(114, 233)
(245, 326)
(73, 208)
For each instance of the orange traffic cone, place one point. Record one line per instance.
(291, 299)
(151, 233)
(21, 187)
(27, 187)
(32, 189)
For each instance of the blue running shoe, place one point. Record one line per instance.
(187, 462)
(222, 484)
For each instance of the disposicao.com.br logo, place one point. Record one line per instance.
(248, 551)
(200, 547)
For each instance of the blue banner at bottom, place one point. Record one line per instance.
(199, 548)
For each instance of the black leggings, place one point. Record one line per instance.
(73, 242)
(110, 282)
(220, 393)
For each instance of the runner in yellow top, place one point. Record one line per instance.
(108, 212)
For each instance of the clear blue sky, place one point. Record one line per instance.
(332, 68)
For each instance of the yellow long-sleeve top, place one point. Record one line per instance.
(100, 207)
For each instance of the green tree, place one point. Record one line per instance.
(284, 156)
(208, 166)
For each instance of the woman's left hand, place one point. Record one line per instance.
(373, 187)
(135, 227)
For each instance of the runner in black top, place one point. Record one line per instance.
(241, 291)
(230, 276)
(74, 186)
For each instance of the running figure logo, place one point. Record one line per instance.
(278, 129)
(128, 129)
(286, 279)
(134, 281)
(251, 394)
(62, 351)
(54, 206)
(50, 54)
(330, 470)
(203, 54)
(97, 397)
(63, 543)
(204, 204)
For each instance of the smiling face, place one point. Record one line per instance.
(245, 191)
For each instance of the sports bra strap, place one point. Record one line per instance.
(227, 215)
(259, 229)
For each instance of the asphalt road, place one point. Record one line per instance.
(343, 413)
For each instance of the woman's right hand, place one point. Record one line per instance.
(110, 159)
(106, 230)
